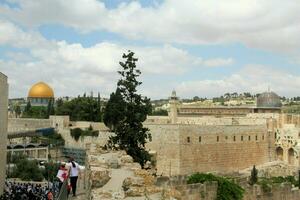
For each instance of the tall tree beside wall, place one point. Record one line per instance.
(50, 108)
(130, 135)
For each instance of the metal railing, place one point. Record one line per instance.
(63, 192)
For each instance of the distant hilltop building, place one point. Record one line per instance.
(40, 94)
(267, 102)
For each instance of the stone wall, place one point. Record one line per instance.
(222, 148)
(165, 142)
(250, 119)
(86, 124)
(27, 124)
(3, 127)
(83, 141)
(184, 149)
(278, 192)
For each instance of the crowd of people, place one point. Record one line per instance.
(68, 172)
(28, 191)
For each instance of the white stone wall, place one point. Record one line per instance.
(3, 127)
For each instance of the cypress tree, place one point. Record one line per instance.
(130, 135)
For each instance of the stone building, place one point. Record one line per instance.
(288, 140)
(267, 102)
(222, 139)
(3, 127)
(189, 148)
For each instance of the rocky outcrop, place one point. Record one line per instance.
(114, 175)
(99, 176)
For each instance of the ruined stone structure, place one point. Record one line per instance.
(3, 127)
(288, 140)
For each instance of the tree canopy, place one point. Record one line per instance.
(85, 108)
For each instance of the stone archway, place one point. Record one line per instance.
(279, 153)
(291, 156)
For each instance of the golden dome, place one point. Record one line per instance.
(41, 90)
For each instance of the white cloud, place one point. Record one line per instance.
(270, 24)
(252, 78)
(73, 69)
(218, 62)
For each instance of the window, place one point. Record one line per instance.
(217, 138)
(188, 139)
(199, 138)
(233, 138)
(256, 137)
(263, 137)
(249, 137)
(242, 138)
(226, 137)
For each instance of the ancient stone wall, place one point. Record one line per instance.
(24, 124)
(222, 148)
(165, 142)
(3, 127)
(277, 192)
(87, 124)
(184, 149)
(83, 141)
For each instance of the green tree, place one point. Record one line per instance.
(17, 110)
(130, 135)
(253, 177)
(98, 109)
(28, 107)
(50, 108)
(85, 108)
(27, 170)
(114, 110)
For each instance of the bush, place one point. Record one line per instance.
(27, 170)
(226, 188)
(265, 185)
(279, 180)
(76, 133)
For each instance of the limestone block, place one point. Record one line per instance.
(99, 176)
(126, 159)
(113, 163)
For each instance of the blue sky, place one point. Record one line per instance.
(198, 48)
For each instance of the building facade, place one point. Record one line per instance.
(3, 127)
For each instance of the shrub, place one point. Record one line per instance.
(227, 189)
(76, 133)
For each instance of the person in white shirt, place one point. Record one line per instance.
(74, 172)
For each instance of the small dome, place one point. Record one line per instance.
(41, 90)
(268, 100)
